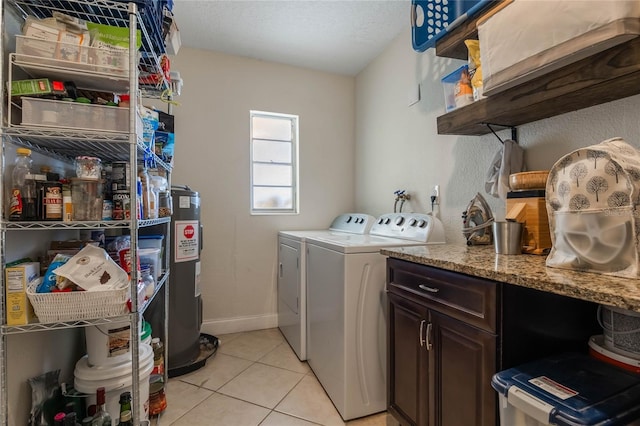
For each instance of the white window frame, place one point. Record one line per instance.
(295, 208)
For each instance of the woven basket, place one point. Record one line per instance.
(77, 305)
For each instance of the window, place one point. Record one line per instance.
(274, 158)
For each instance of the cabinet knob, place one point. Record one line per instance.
(429, 289)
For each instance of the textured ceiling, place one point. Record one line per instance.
(339, 36)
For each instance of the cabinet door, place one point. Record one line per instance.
(464, 362)
(408, 362)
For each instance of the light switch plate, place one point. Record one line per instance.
(413, 95)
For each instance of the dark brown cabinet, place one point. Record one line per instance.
(464, 362)
(408, 384)
(449, 333)
(442, 347)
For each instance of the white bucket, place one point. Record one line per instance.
(108, 343)
(115, 378)
(621, 328)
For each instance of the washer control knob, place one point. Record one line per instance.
(422, 223)
(399, 220)
(387, 221)
(413, 222)
(349, 219)
(380, 221)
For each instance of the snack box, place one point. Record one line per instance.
(17, 278)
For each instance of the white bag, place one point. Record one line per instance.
(592, 198)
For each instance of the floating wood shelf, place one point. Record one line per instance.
(600, 78)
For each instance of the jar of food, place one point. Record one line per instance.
(88, 167)
(165, 207)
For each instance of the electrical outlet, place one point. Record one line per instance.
(436, 191)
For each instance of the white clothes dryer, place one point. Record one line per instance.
(346, 308)
(292, 289)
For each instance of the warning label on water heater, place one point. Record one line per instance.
(187, 240)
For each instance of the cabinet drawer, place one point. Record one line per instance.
(470, 299)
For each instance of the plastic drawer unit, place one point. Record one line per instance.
(568, 389)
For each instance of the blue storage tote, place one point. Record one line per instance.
(440, 16)
(568, 389)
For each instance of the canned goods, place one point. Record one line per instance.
(121, 205)
(120, 176)
(107, 210)
(52, 201)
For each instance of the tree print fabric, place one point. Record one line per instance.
(592, 197)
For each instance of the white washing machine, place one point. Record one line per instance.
(292, 307)
(346, 308)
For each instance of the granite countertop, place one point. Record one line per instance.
(524, 270)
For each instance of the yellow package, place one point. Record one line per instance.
(17, 278)
(475, 68)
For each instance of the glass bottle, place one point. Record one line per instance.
(22, 201)
(158, 356)
(101, 417)
(125, 409)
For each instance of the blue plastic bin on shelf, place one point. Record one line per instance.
(568, 389)
(440, 16)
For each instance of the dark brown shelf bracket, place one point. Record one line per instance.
(514, 131)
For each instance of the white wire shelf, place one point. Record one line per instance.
(66, 144)
(114, 13)
(29, 328)
(105, 224)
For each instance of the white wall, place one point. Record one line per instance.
(212, 156)
(398, 147)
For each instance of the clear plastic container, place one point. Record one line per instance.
(86, 196)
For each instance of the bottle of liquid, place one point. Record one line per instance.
(67, 202)
(22, 201)
(146, 193)
(158, 356)
(125, 409)
(101, 417)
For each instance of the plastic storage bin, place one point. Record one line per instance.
(75, 115)
(152, 257)
(150, 241)
(457, 89)
(568, 389)
(34, 51)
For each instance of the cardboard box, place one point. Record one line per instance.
(40, 86)
(17, 278)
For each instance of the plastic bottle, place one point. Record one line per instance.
(101, 417)
(22, 202)
(67, 202)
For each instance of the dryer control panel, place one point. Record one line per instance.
(409, 226)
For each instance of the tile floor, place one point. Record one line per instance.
(254, 379)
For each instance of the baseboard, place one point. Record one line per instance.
(236, 325)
